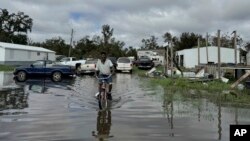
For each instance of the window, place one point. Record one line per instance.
(38, 53)
(38, 64)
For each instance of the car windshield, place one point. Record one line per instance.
(123, 60)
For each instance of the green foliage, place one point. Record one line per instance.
(14, 27)
(150, 43)
(187, 40)
(6, 68)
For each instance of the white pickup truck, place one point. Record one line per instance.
(71, 61)
(88, 67)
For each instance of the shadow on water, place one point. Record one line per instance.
(103, 125)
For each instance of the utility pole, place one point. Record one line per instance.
(172, 59)
(167, 61)
(165, 58)
(235, 47)
(207, 47)
(219, 63)
(71, 39)
(198, 44)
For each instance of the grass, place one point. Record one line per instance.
(6, 68)
(213, 90)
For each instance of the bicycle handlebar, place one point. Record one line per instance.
(104, 77)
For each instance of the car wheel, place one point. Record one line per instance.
(57, 76)
(21, 76)
(78, 70)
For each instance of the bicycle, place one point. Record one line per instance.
(102, 98)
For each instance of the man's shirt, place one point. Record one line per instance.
(104, 68)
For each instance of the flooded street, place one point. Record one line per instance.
(68, 111)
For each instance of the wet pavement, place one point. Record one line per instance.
(39, 109)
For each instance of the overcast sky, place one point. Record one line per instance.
(132, 20)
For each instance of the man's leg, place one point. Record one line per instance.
(109, 92)
(110, 88)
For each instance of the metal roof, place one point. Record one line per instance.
(24, 47)
(214, 47)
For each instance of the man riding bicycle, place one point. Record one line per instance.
(105, 68)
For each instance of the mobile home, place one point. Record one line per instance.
(15, 54)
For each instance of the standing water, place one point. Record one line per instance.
(39, 109)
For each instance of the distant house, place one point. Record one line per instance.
(15, 54)
(156, 55)
(189, 57)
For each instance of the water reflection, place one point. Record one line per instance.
(43, 86)
(209, 109)
(168, 110)
(103, 125)
(6, 78)
(13, 99)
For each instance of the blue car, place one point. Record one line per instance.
(43, 68)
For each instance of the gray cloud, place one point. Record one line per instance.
(133, 20)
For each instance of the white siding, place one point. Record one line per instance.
(52, 56)
(191, 56)
(248, 58)
(2, 54)
(27, 55)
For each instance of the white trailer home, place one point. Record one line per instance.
(248, 56)
(14, 54)
(189, 57)
(156, 55)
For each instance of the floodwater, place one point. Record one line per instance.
(39, 109)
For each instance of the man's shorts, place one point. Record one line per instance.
(108, 80)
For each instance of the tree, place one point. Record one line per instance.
(167, 37)
(227, 41)
(188, 40)
(116, 48)
(107, 34)
(14, 27)
(57, 44)
(131, 52)
(150, 43)
(85, 47)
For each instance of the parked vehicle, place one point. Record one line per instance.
(113, 60)
(88, 67)
(71, 61)
(124, 64)
(43, 68)
(145, 63)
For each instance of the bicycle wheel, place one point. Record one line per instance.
(103, 102)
